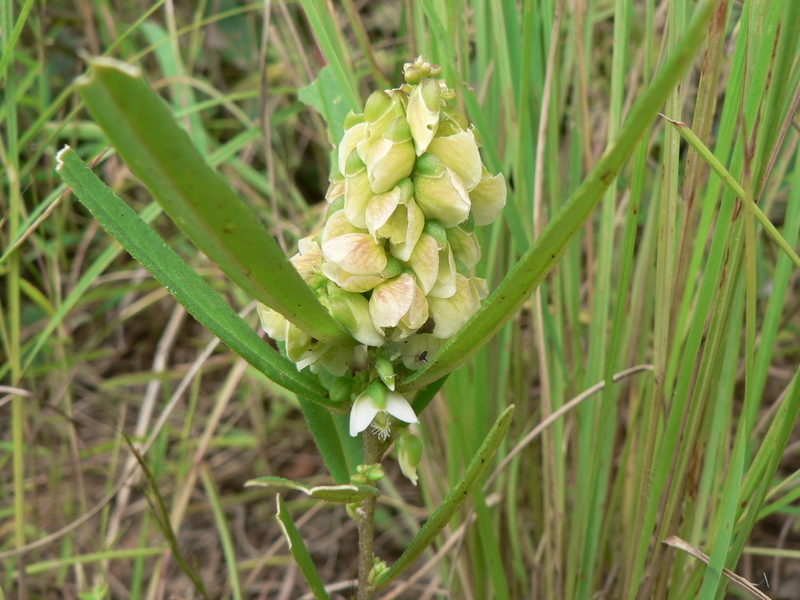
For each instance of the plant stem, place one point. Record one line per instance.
(366, 526)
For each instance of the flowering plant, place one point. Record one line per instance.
(377, 307)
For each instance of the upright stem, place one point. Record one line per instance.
(366, 525)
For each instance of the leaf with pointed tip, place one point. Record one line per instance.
(196, 197)
(299, 551)
(346, 493)
(441, 516)
(199, 298)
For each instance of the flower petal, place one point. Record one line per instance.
(459, 152)
(424, 261)
(390, 301)
(450, 314)
(356, 253)
(399, 408)
(412, 226)
(273, 322)
(488, 198)
(440, 192)
(423, 113)
(351, 138)
(445, 285)
(380, 208)
(362, 413)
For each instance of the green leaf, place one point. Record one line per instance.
(197, 198)
(188, 287)
(299, 551)
(326, 95)
(718, 168)
(329, 38)
(343, 494)
(441, 516)
(550, 246)
(334, 443)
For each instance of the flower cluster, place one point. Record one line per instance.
(394, 262)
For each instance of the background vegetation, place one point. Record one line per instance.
(671, 273)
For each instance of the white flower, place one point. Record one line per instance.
(378, 401)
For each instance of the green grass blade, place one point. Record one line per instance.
(330, 40)
(442, 515)
(731, 182)
(197, 198)
(226, 540)
(299, 551)
(180, 279)
(537, 262)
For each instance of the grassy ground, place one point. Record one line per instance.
(673, 272)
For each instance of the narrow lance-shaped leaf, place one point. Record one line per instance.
(299, 551)
(718, 168)
(545, 253)
(196, 197)
(180, 279)
(346, 493)
(479, 464)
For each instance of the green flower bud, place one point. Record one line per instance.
(340, 389)
(409, 454)
(352, 119)
(411, 74)
(375, 473)
(423, 113)
(438, 231)
(440, 192)
(352, 311)
(352, 137)
(385, 371)
(358, 479)
(377, 392)
(378, 568)
(381, 109)
(337, 204)
(393, 268)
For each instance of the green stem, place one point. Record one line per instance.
(366, 525)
